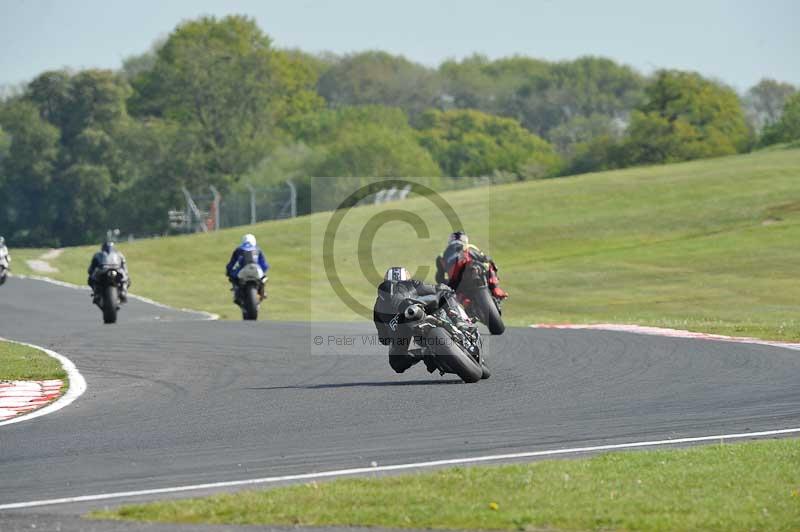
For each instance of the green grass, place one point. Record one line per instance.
(751, 486)
(707, 245)
(20, 363)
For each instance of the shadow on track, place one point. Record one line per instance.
(357, 385)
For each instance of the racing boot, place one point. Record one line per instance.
(430, 363)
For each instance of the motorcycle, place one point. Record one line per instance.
(479, 302)
(249, 290)
(3, 273)
(107, 284)
(452, 348)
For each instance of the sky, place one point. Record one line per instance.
(737, 42)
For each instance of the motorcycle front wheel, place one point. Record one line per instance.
(110, 304)
(451, 357)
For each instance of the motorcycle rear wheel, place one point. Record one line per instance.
(250, 303)
(489, 311)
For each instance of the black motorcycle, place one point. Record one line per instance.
(3, 274)
(453, 348)
(479, 302)
(249, 290)
(107, 284)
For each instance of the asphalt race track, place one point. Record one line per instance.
(173, 400)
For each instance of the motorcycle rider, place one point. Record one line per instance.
(247, 252)
(5, 258)
(458, 253)
(392, 323)
(109, 256)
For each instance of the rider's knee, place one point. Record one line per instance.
(400, 363)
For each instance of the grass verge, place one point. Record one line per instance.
(743, 486)
(23, 363)
(706, 245)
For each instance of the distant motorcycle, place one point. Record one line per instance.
(250, 290)
(474, 293)
(107, 283)
(5, 261)
(454, 349)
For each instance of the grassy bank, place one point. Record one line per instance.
(752, 486)
(20, 363)
(707, 245)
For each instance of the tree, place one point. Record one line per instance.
(5, 145)
(376, 151)
(135, 65)
(581, 129)
(583, 87)
(28, 171)
(542, 95)
(685, 117)
(478, 83)
(325, 126)
(159, 155)
(471, 143)
(92, 162)
(50, 92)
(787, 128)
(65, 160)
(765, 101)
(603, 152)
(229, 89)
(378, 78)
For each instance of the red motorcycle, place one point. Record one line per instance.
(478, 292)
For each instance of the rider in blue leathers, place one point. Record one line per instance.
(246, 253)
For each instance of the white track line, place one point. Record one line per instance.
(77, 385)
(210, 316)
(398, 467)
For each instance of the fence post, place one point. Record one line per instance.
(292, 197)
(217, 197)
(193, 210)
(252, 203)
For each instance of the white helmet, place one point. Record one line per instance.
(249, 240)
(458, 236)
(397, 273)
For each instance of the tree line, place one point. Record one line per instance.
(216, 103)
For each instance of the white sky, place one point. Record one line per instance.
(738, 42)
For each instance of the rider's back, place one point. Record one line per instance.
(109, 259)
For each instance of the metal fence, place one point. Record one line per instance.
(209, 210)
